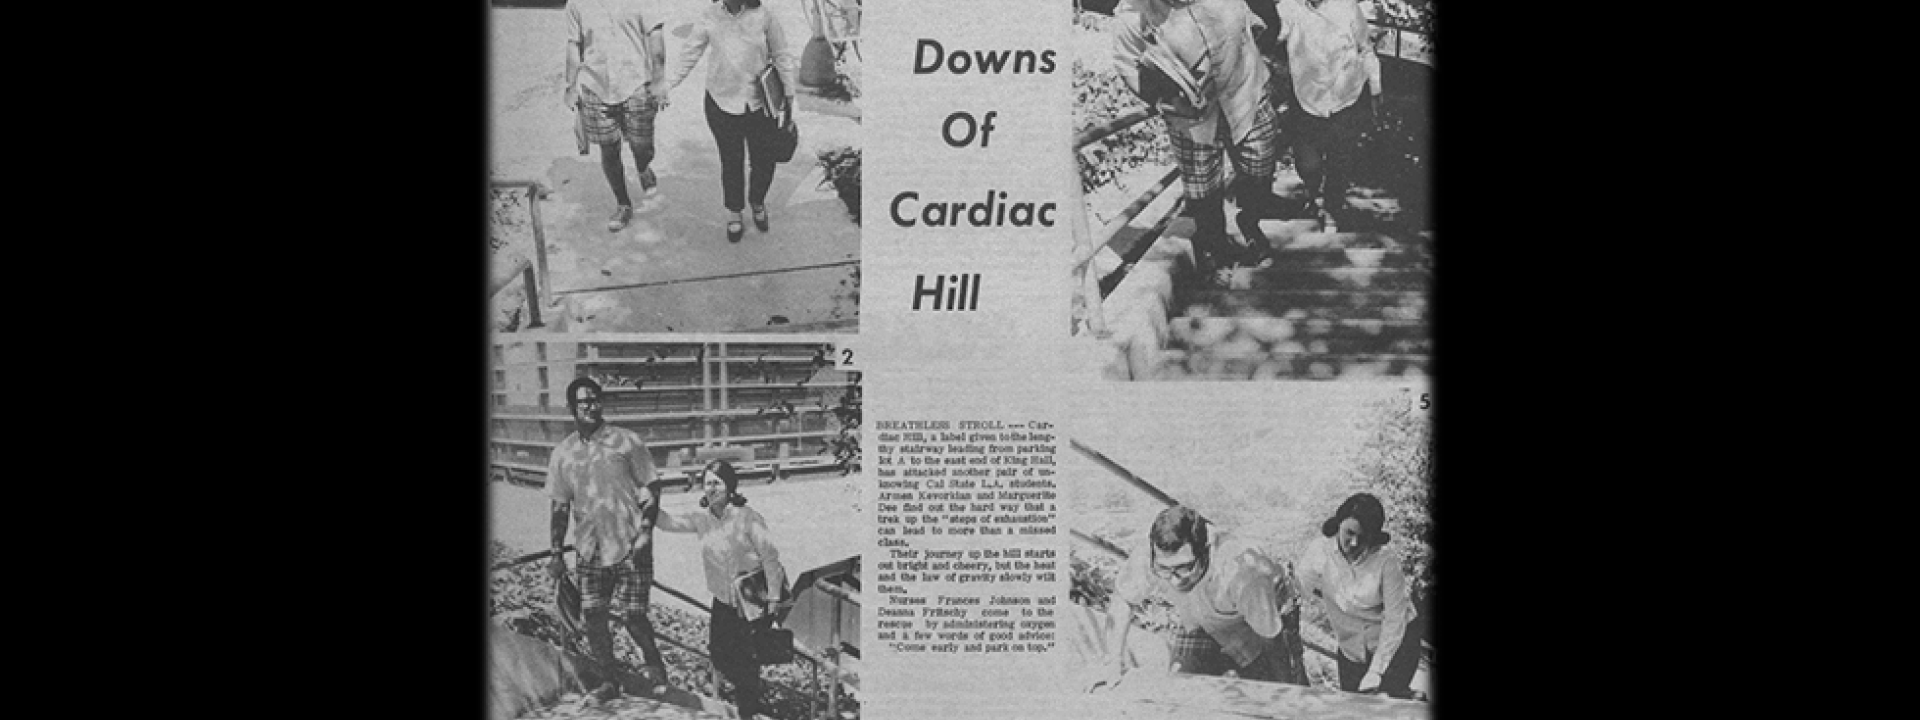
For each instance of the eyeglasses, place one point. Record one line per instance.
(1182, 570)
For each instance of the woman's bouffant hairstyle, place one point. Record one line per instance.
(749, 4)
(1367, 509)
(728, 477)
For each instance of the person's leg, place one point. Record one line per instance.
(1406, 661)
(1351, 673)
(732, 654)
(1308, 159)
(1253, 162)
(616, 172)
(633, 597)
(1194, 652)
(638, 127)
(1341, 149)
(731, 140)
(1203, 176)
(760, 134)
(596, 596)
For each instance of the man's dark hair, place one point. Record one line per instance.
(749, 4)
(573, 389)
(1177, 526)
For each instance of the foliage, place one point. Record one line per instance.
(1100, 95)
(509, 216)
(841, 166)
(1392, 155)
(1396, 464)
(522, 599)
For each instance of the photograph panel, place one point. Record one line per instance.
(1279, 566)
(675, 165)
(702, 490)
(1256, 179)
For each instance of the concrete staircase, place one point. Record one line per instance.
(1347, 304)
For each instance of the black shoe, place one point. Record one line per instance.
(606, 692)
(735, 230)
(760, 217)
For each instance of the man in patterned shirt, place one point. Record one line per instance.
(597, 479)
(1197, 63)
(1238, 610)
(614, 56)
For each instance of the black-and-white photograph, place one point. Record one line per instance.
(675, 527)
(1273, 569)
(1255, 175)
(675, 165)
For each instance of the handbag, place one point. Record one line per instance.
(770, 645)
(786, 137)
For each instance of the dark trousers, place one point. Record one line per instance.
(732, 652)
(1399, 672)
(1325, 149)
(738, 137)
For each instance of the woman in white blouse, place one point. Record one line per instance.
(1365, 595)
(733, 541)
(744, 39)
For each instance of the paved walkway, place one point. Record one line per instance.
(649, 276)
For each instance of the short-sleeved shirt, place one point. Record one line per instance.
(1219, 29)
(1238, 602)
(611, 35)
(604, 479)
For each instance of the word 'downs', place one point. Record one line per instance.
(929, 56)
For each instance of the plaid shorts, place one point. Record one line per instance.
(624, 588)
(1204, 174)
(608, 123)
(1198, 653)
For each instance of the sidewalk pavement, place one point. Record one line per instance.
(532, 138)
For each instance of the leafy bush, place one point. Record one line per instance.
(1396, 464)
(1100, 95)
(841, 166)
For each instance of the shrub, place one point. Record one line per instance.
(841, 166)
(1396, 464)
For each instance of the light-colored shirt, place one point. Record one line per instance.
(734, 543)
(1329, 54)
(1367, 602)
(1220, 30)
(610, 37)
(1238, 602)
(741, 46)
(604, 479)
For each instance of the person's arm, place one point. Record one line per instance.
(1369, 60)
(560, 493)
(640, 471)
(1128, 44)
(1258, 593)
(1268, 34)
(675, 522)
(762, 541)
(1393, 590)
(690, 52)
(780, 51)
(576, 44)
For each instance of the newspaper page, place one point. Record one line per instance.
(1001, 358)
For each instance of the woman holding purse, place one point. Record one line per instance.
(745, 41)
(734, 541)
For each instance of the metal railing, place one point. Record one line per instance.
(522, 270)
(831, 653)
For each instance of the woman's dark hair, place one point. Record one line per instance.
(728, 477)
(1367, 509)
(749, 4)
(1177, 526)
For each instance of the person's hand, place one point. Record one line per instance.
(570, 98)
(556, 568)
(660, 99)
(1370, 683)
(1110, 679)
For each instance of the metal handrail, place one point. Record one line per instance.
(813, 660)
